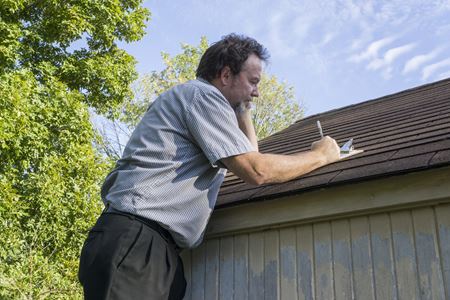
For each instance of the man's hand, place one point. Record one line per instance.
(328, 148)
(244, 118)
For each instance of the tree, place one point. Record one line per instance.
(36, 34)
(275, 108)
(49, 170)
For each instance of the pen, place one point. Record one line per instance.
(320, 128)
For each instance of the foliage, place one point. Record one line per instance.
(276, 107)
(49, 170)
(49, 176)
(37, 34)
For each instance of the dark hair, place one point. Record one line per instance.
(232, 51)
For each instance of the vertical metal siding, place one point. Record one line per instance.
(398, 255)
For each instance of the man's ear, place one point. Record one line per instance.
(225, 76)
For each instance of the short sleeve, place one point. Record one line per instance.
(213, 125)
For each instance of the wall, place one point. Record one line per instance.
(396, 248)
(399, 255)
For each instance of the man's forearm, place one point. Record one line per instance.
(260, 168)
(282, 168)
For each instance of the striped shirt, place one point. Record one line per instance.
(170, 170)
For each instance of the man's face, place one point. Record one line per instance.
(244, 86)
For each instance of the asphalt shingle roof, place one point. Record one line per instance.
(400, 133)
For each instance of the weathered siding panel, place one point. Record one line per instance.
(428, 260)
(323, 262)
(392, 255)
(382, 257)
(198, 273)
(305, 262)
(226, 288)
(256, 263)
(405, 255)
(288, 263)
(271, 264)
(443, 227)
(362, 258)
(342, 260)
(241, 267)
(212, 270)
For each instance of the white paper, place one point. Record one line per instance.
(352, 152)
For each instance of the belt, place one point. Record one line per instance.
(164, 233)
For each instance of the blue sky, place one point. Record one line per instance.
(334, 53)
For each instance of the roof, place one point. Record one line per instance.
(400, 133)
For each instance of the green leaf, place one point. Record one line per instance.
(50, 171)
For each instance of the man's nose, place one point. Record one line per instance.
(255, 92)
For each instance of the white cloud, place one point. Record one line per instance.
(372, 50)
(418, 60)
(390, 56)
(376, 64)
(430, 69)
(365, 33)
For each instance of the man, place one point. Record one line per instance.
(161, 194)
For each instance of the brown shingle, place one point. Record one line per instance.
(400, 133)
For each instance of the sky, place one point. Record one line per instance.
(334, 53)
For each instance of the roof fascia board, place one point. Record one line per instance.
(391, 193)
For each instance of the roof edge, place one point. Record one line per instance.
(365, 102)
(331, 185)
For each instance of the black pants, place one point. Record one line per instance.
(124, 258)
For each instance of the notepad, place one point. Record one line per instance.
(347, 149)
